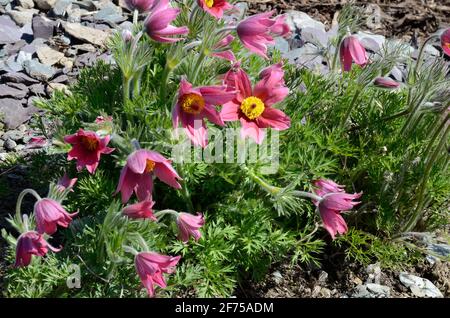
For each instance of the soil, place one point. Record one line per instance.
(406, 19)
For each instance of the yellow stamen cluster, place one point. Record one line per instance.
(89, 143)
(252, 107)
(209, 3)
(192, 103)
(149, 165)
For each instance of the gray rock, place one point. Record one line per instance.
(277, 277)
(61, 7)
(38, 89)
(7, 91)
(374, 273)
(26, 4)
(38, 70)
(9, 31)
(110, 13)
(13, 48)
(22, 57)
(61, 79)
(14, 113)
(10, 65)
(371, 291)
(314, 35)
(10, 144)
(74, 15)
(49, 56)
(298, 20)
(420, 287)
(440, 249)
(18, 78)
(85, 47)
(45, 4)
(5, 2)
(372, 42)
(281, 44)
(87, 34)
(20, 86)
(42, 27)
(2, 143)
(22, 17)
(323, 277)
(14, 135)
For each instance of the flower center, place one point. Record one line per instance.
(252, 107)
(192, 103)
(209, 3)
(90, 144)
(149, 166)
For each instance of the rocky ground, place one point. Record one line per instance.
(45, 43)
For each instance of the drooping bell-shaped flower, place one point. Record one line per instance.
(49, 214)
(352, 50)
(386, 82)
(189, 225)
(31, 243)
(140, 210)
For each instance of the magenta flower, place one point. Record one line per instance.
(219, 50)
(445, 41)
(36, 142)
(140, 5)
(189, 225)
(334, 201)
(87, 147)
(49, 213)
(150, 267)
(257, 31)
(195, 104)
(31, 243)
(352, 50)
(214, 7)
(253, 106)
(141, 210)
(386, 82)
(158, 25)
(137, 175)
(66, 183)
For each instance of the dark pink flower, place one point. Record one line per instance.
(36, 142)
(189, 225)
(49, 213)
(352, 50)
(334, 201)
(257, 31)
(137, 175)
(386, 82)
(66, 183)
(87, 147)
(150, 267)
(214, 7)
(253, 106)
(31, 243)
(141, 210)
(195, 104)
(158, 22)
(445, 41)
(219, 50)
(140, 5)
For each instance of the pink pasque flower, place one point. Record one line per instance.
(257, 31)
(36, 142)
(141, 210)
(31, 243)
(66, 183)
(445, 41)
(352, 50)
(87, 147)
(49, 213)
(140, 5)
(253, 106)
(195, 104)
(334, 201)
(137, 174)
(220, 51)
(189, 225)
(157, 23)
(386, 82)
(214, 7)
(150, 267)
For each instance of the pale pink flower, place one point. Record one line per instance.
(150, 267)
(137, 174)
(195, 104)
(220, 49)
(189, 225)
(352, 50)
(158, 22)
(215, 8)
(49, 213)
(386, 82)
(257, 31)
(66, 183)
(252, 106)
(31, 243)
(141, 210)
(101, 119)
(87, 147)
